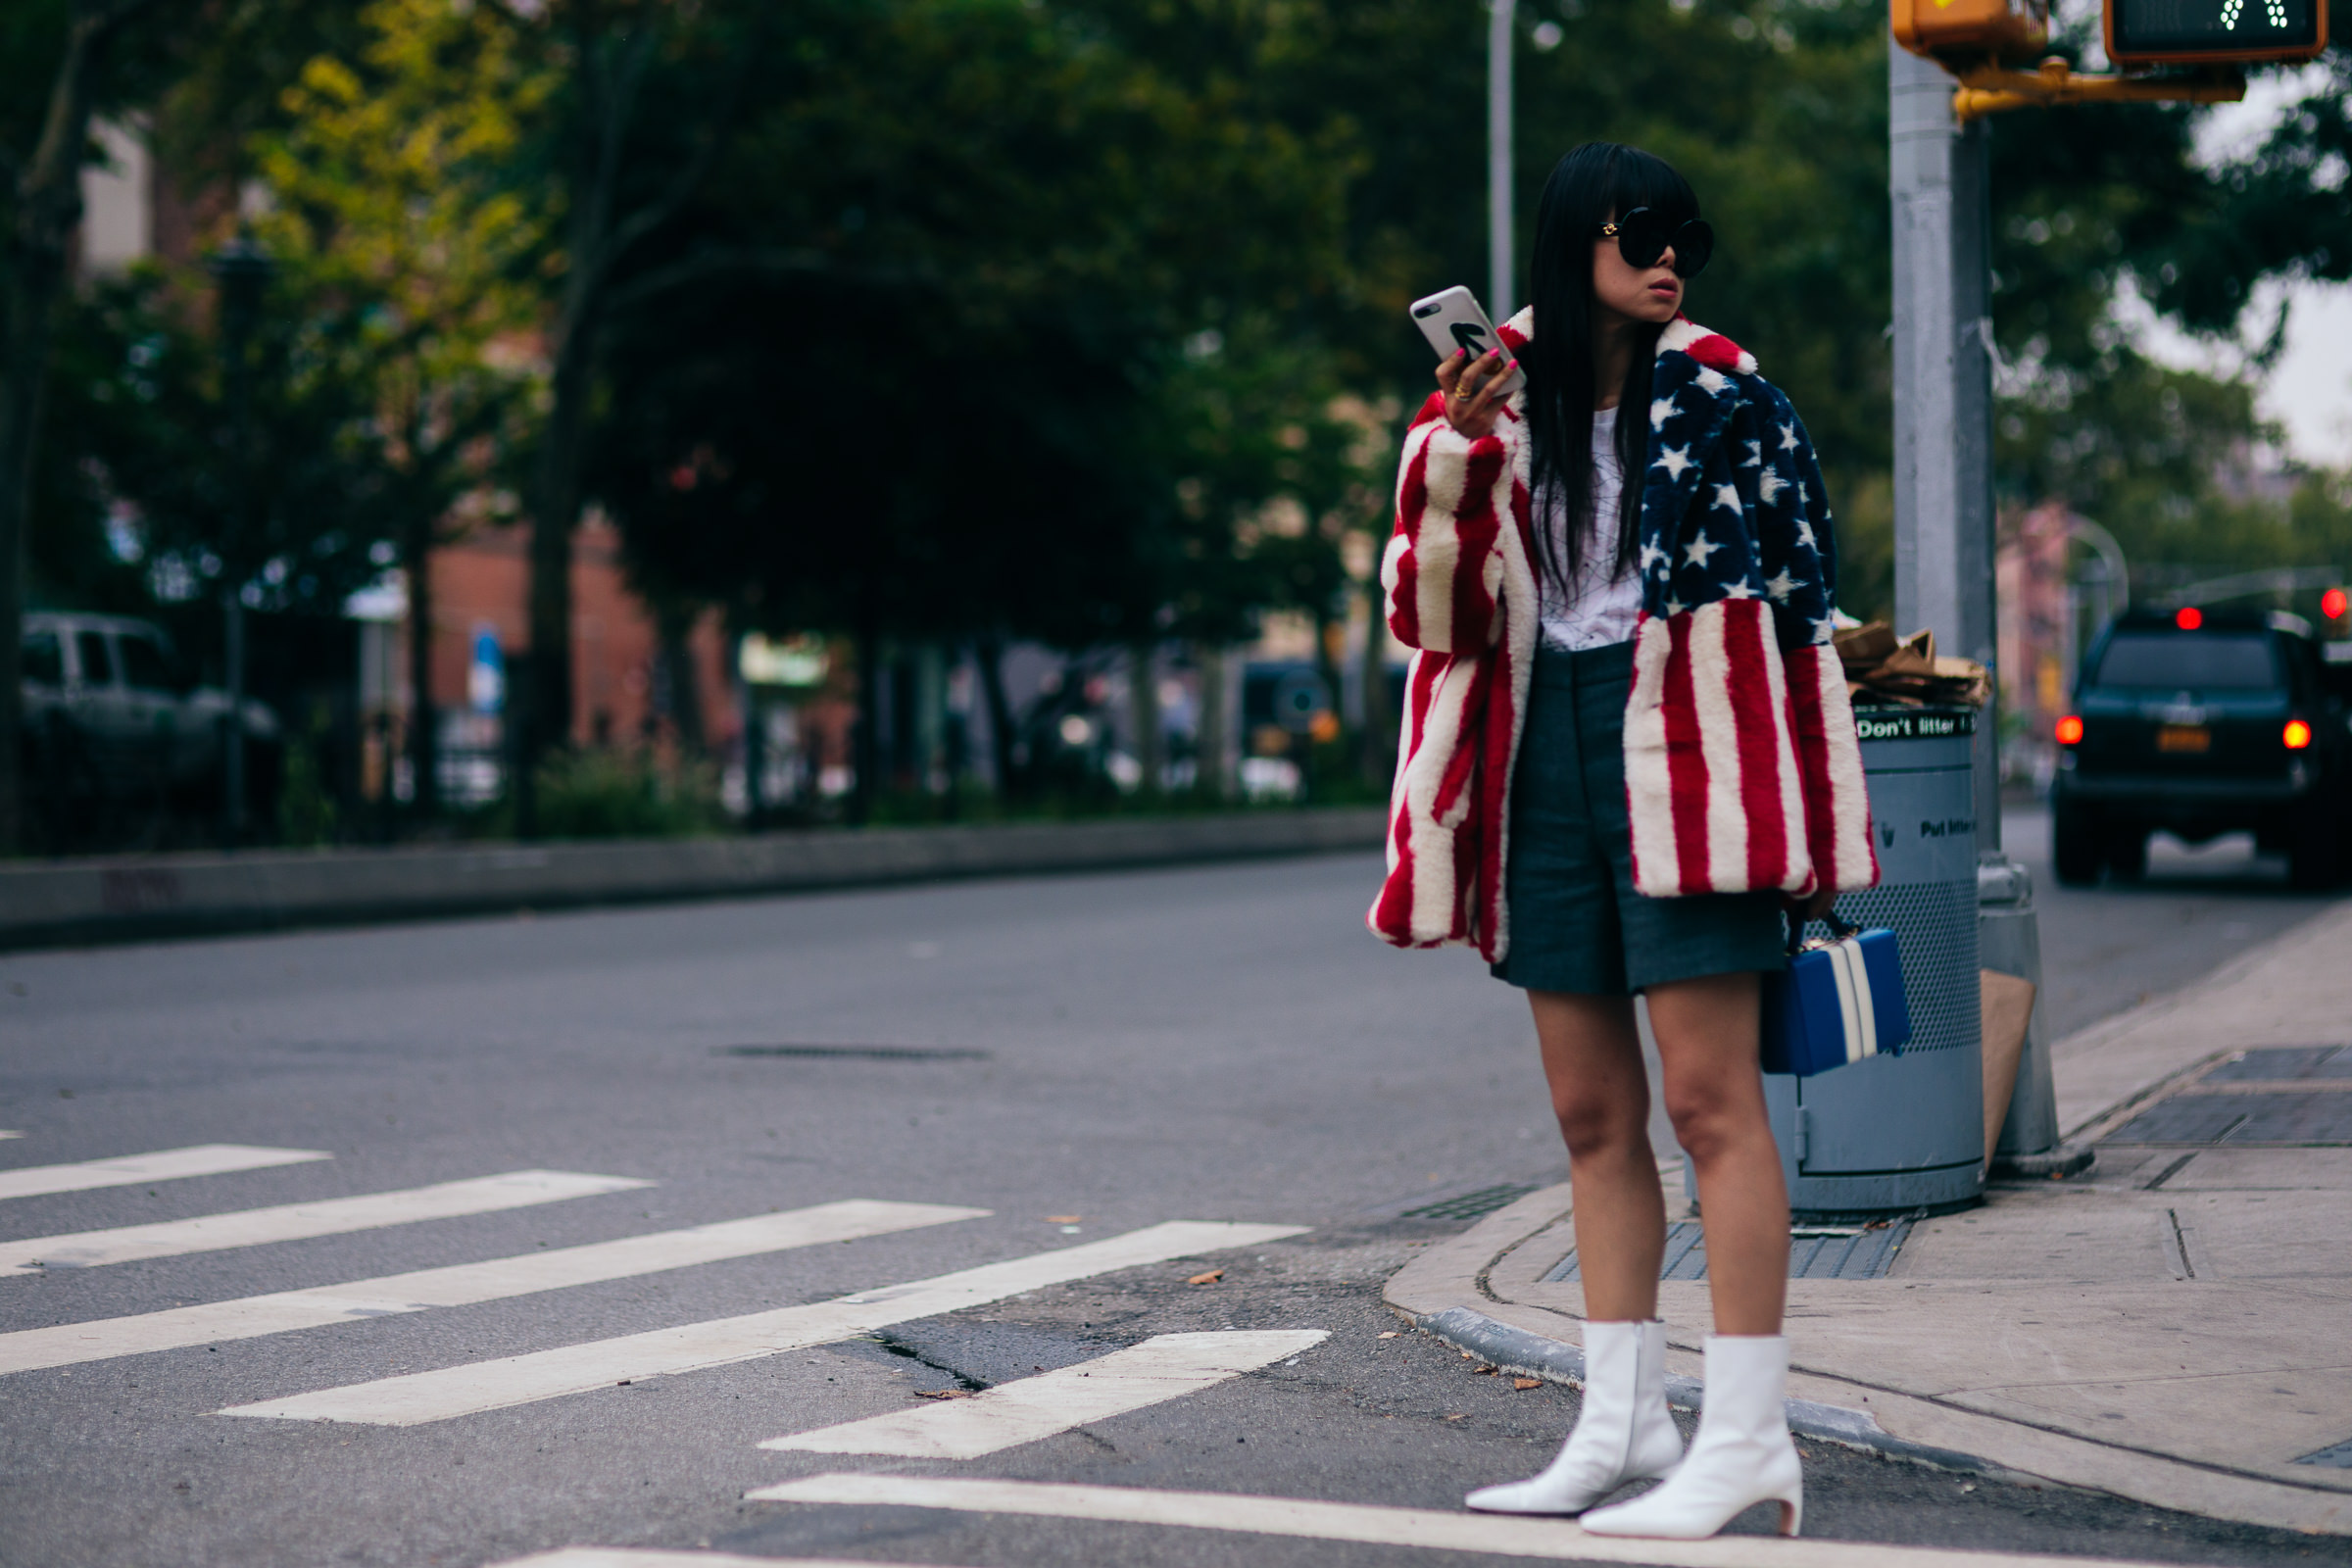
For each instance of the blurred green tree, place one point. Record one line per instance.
(923, 384)
(302, 518)
(648, 97)
(57, 74)
(390, 175)
(63, 64)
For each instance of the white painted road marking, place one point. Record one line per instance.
(648, 1557)
(1029, 1408)
(1428, 1529)
(6, 1134)
(293, 1222)
(526, 1274)
(166, 1165)
(422, 1396)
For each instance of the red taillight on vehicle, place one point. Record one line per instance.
(2333, 603)
(2297, 736)
(2188, 617)
(2070, 730)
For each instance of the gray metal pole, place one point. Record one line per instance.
(1943, 510)
(1500, 259)
(232, 734)
(1942, 384)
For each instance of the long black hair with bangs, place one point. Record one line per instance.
(1587, 188)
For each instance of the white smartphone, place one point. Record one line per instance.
(1451, 321)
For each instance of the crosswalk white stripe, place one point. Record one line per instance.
(652, 1557)
(526, 1274)
(1026, 1409)
(165, 1165)
(440, 1396)
(4, 1132)
(293, 1222)
(1373, 1524)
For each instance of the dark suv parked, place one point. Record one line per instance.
(118, 731)
(2203, 723)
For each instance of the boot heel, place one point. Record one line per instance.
(1792, 1513)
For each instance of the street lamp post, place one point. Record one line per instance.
(243, 271)
(1499, 271)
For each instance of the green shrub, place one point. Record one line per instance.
(614, 795)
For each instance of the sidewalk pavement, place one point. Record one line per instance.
(2175, 1326)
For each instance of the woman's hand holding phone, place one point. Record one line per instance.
(1474, 370)
(1473, 388)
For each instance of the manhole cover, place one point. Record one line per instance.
(1824, 1252)
(1473, 1206)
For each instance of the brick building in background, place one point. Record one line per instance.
(482, 582)
(2039, 631)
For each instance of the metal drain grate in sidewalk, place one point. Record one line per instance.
(2338, 1458)
(1824, 1252)
(2320, 1118)
(1473, 1206)
(2283, 1063)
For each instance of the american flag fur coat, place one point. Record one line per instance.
(1742, 767)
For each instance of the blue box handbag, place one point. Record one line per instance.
(1838, 1000)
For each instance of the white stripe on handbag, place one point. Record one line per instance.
(1854, 1000)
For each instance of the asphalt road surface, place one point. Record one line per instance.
(2108, 948)
(819, 1157)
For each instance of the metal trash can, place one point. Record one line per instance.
(1895, 1132)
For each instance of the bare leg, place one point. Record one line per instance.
(1593, 1061)
(1706, 1031)
(1623, 1432)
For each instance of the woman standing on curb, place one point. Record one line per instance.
(1627, 746)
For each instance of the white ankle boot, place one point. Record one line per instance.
(1740, 1456)
(1623, 1433)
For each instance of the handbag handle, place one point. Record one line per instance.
(1839, 929)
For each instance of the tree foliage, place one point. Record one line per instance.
(931, 380)
(1069, 318)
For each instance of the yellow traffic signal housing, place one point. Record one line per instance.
(2146, 32)
(1989, 30)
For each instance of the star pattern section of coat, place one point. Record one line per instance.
(1733, 506)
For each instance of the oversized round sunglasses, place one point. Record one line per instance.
(1644, 234)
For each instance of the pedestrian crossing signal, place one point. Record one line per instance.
(2142, 33)
(1975, 29)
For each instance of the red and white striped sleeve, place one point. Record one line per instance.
(1443, 573)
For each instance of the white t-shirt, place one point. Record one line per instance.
(1597, 609)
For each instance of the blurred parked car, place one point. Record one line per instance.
(115, 725)
(2202, 722)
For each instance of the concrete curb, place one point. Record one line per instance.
(131, 899)
(1530, 1355)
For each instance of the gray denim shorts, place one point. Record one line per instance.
(1577, 924)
